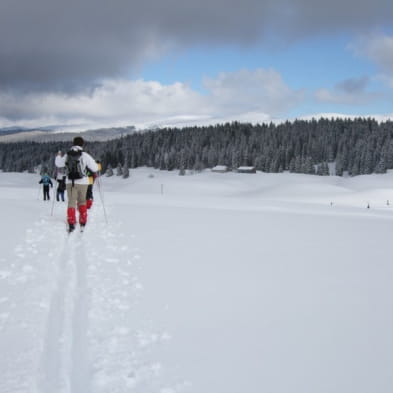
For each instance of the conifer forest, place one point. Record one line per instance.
(358, 146)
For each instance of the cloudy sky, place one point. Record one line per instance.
(96, 63)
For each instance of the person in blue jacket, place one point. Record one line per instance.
(46, 182)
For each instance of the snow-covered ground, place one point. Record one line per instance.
(205, 283)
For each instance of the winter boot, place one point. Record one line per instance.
(89, 203)
(71, 218)
(82, 215)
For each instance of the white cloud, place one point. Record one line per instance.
(261, 90)
(378, 48)
(253, 96)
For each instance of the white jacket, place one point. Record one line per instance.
(60, 167)
(86, 160)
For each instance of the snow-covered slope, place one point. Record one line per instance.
(206, 283)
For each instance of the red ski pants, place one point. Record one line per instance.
(76, 199)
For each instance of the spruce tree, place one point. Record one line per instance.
(109, 171)
(126, 172)
(119, 170)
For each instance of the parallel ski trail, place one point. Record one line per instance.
(80, 366)
(94, 341)
(65, 359)
(54, 353)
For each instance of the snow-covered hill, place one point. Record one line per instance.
(205, 283)
(52, 134)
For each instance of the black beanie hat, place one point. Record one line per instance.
(78, 141)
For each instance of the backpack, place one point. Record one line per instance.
(45, 180)
(73, 165)
(62, 186)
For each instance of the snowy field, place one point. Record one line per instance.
(207, 283)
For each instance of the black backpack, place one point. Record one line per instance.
(73, 165)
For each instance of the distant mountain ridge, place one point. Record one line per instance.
(11, 130)
(49, 134)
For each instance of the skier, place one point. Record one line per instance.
(61, 187)
(92, 177)
(77, 163)
(60, 176)
(46, 182)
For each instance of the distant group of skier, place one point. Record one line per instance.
(75, 173)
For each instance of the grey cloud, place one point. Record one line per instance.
(353, 85)
(378, 48)
(51, 44)
(352, 91)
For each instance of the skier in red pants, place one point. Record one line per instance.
(77, 163)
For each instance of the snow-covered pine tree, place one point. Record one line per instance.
(308, 166)
(119, 170)
(339, 166)
(323, 169)
(109, 171)
(380, 167)
(126, 171)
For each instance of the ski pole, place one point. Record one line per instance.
(102, 198)
(53, 200)
(39, 189)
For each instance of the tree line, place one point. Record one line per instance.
(355, 146)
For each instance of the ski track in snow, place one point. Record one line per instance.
(74, 322)
(64, 362)
(80, 378)
(53, 352)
